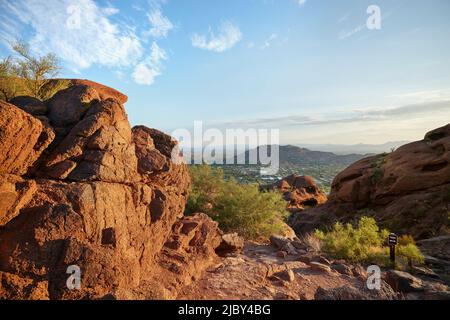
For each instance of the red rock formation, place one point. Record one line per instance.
(101, 196)
(300, 192)
(408, 190)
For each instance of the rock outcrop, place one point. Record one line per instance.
(407, 190)
(79, 186)
(300, 192)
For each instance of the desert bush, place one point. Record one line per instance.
(26, 74)
(37, 72)
(411, 253)
(365, 243)
(207, 183)
(236, 207)
(9, 86)
(354, 244)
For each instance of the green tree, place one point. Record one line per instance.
(9, 86)
(236, 207)
(36, 73)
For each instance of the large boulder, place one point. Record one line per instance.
(299, 191)
(407, 190)
(102, 196)
(23, 139)
(30, 104)
(357, 293)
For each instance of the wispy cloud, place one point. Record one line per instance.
(146, 71)
(301, 2)
(160, 24)
(228, 36)
(268, 42)
(79, 33)
(347, 34)
(83, 34)
(351, 116)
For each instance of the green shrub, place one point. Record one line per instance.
(206, 184)
(355, 244)
(26, 74)
(411, 253)
(236, 207)
(365, 243)
(9, 87)
(36, 72)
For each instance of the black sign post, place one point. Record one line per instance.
(392, 240)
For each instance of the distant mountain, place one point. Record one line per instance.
(304, 157)
(355, 148)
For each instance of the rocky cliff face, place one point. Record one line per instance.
(407, 190)
(79, 186)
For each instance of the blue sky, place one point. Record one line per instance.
(311, 68)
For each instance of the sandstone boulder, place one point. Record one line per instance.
(30, 105)
(403, 282)
(300, 192)
(101, 196)
(356, 293)
(231, 243)
(23, 139)
(407, 190)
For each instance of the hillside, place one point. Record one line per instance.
(293, 155)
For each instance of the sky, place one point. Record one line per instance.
(312, 68)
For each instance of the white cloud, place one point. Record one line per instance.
(160, 24)
(301, 2)
(146, 71)
(81, 34)
(268, 42)
(78, 32)
(109, 11)
(347, 34)
(229, 35)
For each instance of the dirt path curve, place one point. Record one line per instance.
(259, 273)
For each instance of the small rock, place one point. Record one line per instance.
(359, 271)
(317, 266)
(356, 293)
(424, 271)
(286, 275)
(282, 254)
(321, 259)
(299, 245)
(279, 242)
(403, 282)
(304, 259)
(342, 269)
(231, 243)
(289, 248)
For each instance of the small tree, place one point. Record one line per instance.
(9, 86)
(37, 72)
(236, 207)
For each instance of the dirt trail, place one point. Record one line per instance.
(259, 273)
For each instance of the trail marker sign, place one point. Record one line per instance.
(393, 239)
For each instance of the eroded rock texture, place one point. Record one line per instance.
(79, 186)
(407, 190)
(300, 192)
